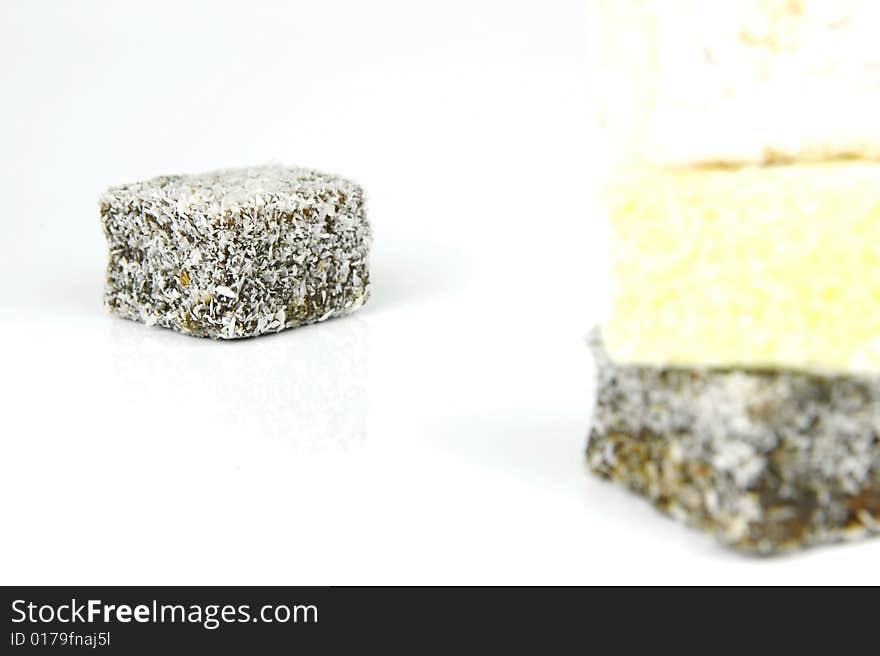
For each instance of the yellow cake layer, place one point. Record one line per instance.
(774, 266)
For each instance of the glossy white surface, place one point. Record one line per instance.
(434, 437)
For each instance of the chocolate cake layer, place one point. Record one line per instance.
(766, 460)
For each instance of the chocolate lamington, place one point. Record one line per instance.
(237, 252)
(766, 460)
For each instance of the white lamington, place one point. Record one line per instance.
(236, 252)
(682, 82)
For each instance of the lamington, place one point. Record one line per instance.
(739, 362)
(682, 82)
(237, 252)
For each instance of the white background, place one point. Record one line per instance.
(437, 435)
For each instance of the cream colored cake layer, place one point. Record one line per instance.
(681, 82)
(775, 266)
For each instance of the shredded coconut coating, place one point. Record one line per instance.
(766, 460)
(238, 252)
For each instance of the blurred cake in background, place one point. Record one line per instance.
(692, 82)
(738, 364)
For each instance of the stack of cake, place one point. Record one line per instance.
(738, 385)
